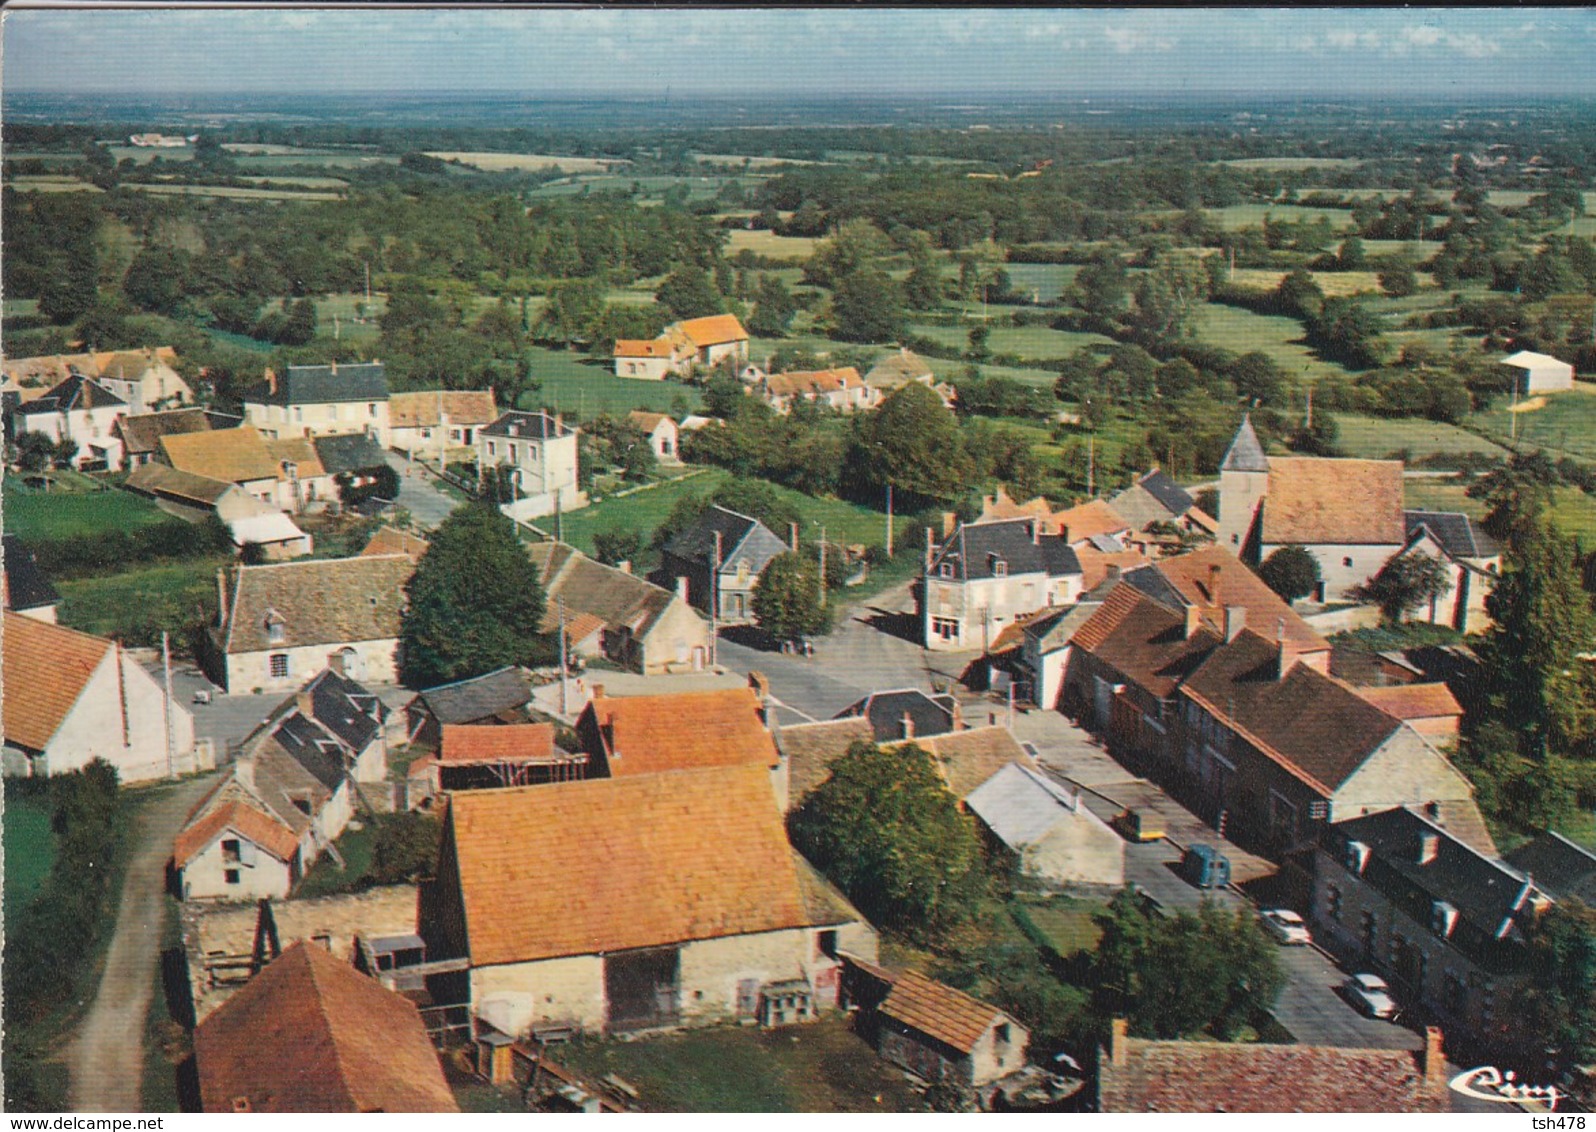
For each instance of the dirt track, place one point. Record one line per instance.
(106, 1056)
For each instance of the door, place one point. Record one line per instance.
(641, 989)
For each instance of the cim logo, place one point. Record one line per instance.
(1488, 1083)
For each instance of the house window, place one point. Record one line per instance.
(230, 851)
(332, 412)
(230, 876)
(278, 665)
(371, 408)
(1346, 562)
(944, 627)
(1319, 811)
(492, 449)
(299, 414)
(1002, 1034)
(274, 632)
(426, 434)
(512, 454)
(947, 569)
(1332, 901)
(826, 941)
(1000, 569)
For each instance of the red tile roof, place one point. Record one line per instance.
(602, 865)
(643, 348)
(937, 1010)
(461, 406)
(513, 742)
(266, 831)
(388, 540)
(647, 734)
(1144, 641)
(312, 1034)
(1213, 577)
(46, 669)
(1312, 501)
(713, 331)
(1414, 701)
(1094, 517)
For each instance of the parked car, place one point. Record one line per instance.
(1370, 994)
(1285, 925)
(1139, 825)
(1205, 867)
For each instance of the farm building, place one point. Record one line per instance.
(1540, 373)
(497, 697)
(1047, 830)
(662, 433)
(944, 1035)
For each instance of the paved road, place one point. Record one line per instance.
(106, 1056)
(426, 503)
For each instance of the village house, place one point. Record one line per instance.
(1346, 513)
(320, 401)
(1429, 708)
(1398, 893)
(194, 497)
(1144, 1075)
(1046, 831)
(1472, 559)
(629, 735)
(540, 452)
(1155, 498)
(352, 460)
(498, 697)
(141, 433)
(146, 379)
(696, 343)
(311, 1034)
(841, 390)
(441, 424)
(1539, 373)
(715, 563)
(82, 411)
(645, 929)
(285, 473)
(906, 713)
(662, 433)
(70, 698)
(895, 371)
(491, 757)
(278, 622)
(1093, 523)
(987, 574)
(234, 848)
(23, 587)
(612, 613)
(944, 1036)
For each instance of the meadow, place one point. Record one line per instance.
(1566, 425)
(1375, 438)
(33, 514)
(526, 162)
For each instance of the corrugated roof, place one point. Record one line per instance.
(46, 669)
(311, 1034)
(937, 1010)
(1021, 806)
(1315, 501)
(326, 602)
(685, 731)
(641, 861)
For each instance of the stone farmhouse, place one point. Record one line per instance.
(441, 424)
(696, 343)
(321, 401)
(841, 390)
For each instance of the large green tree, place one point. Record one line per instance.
(1406, 583)
(886, 831)
(786, 601)
(689, 292)
(867, 306)
(475, 602)
(1560, 1000)
(912, 442)
(1291, 572)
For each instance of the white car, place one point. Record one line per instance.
(1285, 925)
(1370, 995)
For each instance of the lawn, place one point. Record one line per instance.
(1045, 281)
(1066, 923)
(129, 604)
(1375, 438)
(1573, 511)
(52, 515)
(582, 388)
(820, 1067)
(770, 244)
(1030, 342)
(1242, 331)
(29, 846)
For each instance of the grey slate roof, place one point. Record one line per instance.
(930, 715)
(321, 385)
(976, 548)
(532, 426)
(1174, 497)
(76, 392)
(1055, 630)
(1560, 868)
(345, 708)
(1245, 453)
(351, 452)
(26, 586)
(741, 536)
(1020, 806)
(481, 697)
(309, 744)
(1454, 530)
(1488, 894)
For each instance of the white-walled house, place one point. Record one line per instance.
(145, 378)
(987, 575)
(321, 401)
(1472, 560)
(440, 424)
(541, 451)
(662, 432)
(83, 411)
(71, 698)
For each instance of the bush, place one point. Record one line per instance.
(114, 550)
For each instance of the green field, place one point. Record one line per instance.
(1375, 438)
(29, 847)
(1067, 924)
(821, 1067)
(1293, 163)
(770, 244)
(1242, 331)
(1039, 342)
(1046, 281)
(1238, 216)
(1573, 511)
(231, 193)
(1565, 424)
(582, 388)
(52, 515)
(125, 605)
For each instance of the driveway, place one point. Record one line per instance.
(106, 1057)
(425, 501)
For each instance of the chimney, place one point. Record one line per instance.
(1118, 1041)
(624, 565)
(271, 380)
(221, 596)
(907, 724)
(302, 701)
(1194, 620)
(1213, 584)
(1235, 620)
(760, 683)
(335, 662)
(598, 691)
(681, 587)
(1432, 1062)
(793, 536)
(1036, 532)
(559, 423)
(1282, 660)
(334, 368)
(950, 523)
(1429, 847)
(1115, 572)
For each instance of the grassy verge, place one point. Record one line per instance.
(822, 1067)
(29, 845)
(165, 1039)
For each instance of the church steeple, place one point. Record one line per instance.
(1245, 453)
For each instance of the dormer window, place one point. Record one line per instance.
(1443, 918)
(1357, 856)
(1000, 568)
(947, 569)
(276, 628)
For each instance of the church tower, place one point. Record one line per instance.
(1243, 482)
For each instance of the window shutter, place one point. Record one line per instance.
(246, 852)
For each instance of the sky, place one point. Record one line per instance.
(749, 53)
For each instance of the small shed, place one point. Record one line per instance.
(1541, 373)
(944, 1035)
(1052, 836)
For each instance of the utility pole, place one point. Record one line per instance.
(1091, 465)
(1011, 703)
(1309, 423)
(166, 664)
(559, 518)
(889, 520)
(368, 288)
(822, 566)
(565, 683)
(714, 608)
